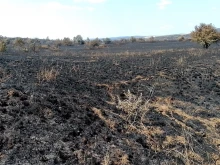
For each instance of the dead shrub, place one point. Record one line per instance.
(94, 43)
(134, 108)
(67, 42)
(19, 42)
(181, 38)
(47, 75)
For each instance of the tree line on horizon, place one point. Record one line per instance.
(203, 34)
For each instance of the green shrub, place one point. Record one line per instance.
(205, 34)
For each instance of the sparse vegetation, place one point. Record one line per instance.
(47, 74)
(19, 42)
(107, 40)
(67, 41)
(94, 43)
(205, 34)
(57, 43)
(133, 39)
(3, 46)
(33, 45)
(181, 38)
(134, 108)
(78, 40)
(141, 40)
(125, 104)
(151, 39)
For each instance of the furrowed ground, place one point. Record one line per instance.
(137, 104)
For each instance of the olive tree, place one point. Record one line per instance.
(205, 34)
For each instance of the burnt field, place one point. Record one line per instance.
(135, 103)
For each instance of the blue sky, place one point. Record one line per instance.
(104, 18)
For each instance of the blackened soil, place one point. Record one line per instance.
(52, 122)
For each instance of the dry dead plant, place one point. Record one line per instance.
(47, 74)
(134, 108)
(181, 61)
(106, 160)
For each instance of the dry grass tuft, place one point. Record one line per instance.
(47, 75)
(106, 160)
(134, 108)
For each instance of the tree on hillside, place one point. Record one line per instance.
(205, 34)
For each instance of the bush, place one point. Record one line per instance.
(181, 38)
(34, 45)
(2, 46)
(205, 34)
(151, 39)
(107, 40)
(57, 43)
(133, 39)
(94, 43)
(140, 40)
(67, 42)
(87, 41)
(19, 42)
(78, 40)
(7, 41)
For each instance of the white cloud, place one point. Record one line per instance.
(90, 1)
(163, 3)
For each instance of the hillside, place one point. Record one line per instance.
(163, 37)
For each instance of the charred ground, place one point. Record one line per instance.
(136, 103)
